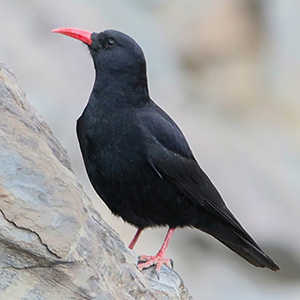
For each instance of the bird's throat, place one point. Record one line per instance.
(120, 89)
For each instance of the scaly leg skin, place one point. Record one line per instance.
(135, 238)
(158, 260)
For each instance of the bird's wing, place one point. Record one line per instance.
(171, 158)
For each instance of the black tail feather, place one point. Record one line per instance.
(238, 240)
(252, 253)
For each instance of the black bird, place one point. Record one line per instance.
(139, 161)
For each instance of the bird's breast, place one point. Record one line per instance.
(111, 145)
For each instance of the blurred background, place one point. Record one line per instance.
(228, 72)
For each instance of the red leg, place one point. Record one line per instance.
(158, 259)
(135, 238)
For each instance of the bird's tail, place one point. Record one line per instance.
(239, 241)
(252, 253)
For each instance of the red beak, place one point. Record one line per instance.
(79, 34)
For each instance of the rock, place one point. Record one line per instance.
(53, 243)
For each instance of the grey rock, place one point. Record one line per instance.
(53, 243)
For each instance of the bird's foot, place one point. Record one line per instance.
(157, 261)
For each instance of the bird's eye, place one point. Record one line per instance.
(109, 43)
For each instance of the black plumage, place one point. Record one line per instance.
(139, 161)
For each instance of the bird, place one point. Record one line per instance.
(139, 161)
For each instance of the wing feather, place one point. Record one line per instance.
(171, 158)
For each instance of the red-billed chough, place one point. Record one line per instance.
(139, 161)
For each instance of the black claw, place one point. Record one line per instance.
(157, 275)
(140, 261)
(172, 263)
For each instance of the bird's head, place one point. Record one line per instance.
(114, 53)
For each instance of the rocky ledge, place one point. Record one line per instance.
(53, 243)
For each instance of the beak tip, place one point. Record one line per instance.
(79, 34)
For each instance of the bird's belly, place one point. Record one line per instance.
(142, 198)
(125, 181)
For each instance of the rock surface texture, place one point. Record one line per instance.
(53, 244)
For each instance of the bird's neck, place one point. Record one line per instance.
(120, 89)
